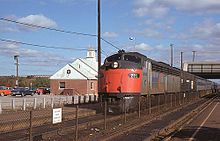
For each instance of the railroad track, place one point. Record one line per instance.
(140, 129)
(167, 132)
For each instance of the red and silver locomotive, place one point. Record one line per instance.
(128, 75)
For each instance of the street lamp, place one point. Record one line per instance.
(132, 39)
(181, 60)
(171, 55)
(194, 55)
(16, 63)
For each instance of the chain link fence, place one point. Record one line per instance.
(86, 121)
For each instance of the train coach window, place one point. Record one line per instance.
(114, 58)
(132, 58)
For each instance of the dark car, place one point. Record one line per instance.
(22, 91)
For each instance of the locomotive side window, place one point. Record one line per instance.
(132, 58)
(114, 58)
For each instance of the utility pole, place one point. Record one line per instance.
(99, 47)
(194, 54)
(171, 55)
(16, 63)
(99, 36)
(181, 60)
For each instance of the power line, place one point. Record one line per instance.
(110, 43)
(48, 28)
(58, 30)
(44, 46)
(41, 46)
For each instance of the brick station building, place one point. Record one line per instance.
(77, 78)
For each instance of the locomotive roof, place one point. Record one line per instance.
(161, 66)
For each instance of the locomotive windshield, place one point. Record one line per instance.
(115, 57)
(132, 58)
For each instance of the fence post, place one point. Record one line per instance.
(105, 116)
(52, 100)
(149, 103)
(158, 103)
(124, 101)
(76, 126)
(165, 100)
(0, 107)
(139, 106)
(60, 102)
(171, 100)
(73, 100)
(95, 98)
(79, 99)
(90, 99)
(30, 127)
(24, 104)
(13, 104)
(44, 103)
(35, 103)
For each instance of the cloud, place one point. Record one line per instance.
(143, 47)
(110, 35)
(195, 5)
(5, 27)
(207, 30)
(39, 20)
(159, 8)
(150, 33)
(31, 56)
(11, 49)
(150, 7)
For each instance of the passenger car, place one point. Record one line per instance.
(42, 90)
(22, 91)
(4, 91)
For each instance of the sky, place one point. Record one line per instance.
(145, 26)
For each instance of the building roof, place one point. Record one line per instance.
(79, 69)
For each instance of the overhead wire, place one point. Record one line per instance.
(57, 30)
(44, 46)
(44, 27)
(37, 45)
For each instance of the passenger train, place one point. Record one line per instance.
(131, 74)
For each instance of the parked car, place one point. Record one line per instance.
(22, 91)
(4, 91)
(42, 90)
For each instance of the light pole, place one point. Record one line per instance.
(133, 39)
(194, 54)
(171, 55)
(16, 63)
(181, 60)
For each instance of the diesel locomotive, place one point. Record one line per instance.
(128, 75)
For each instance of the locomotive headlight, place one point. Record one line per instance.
(115, 65)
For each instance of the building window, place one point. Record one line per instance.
(92, 85)
(62, 85)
